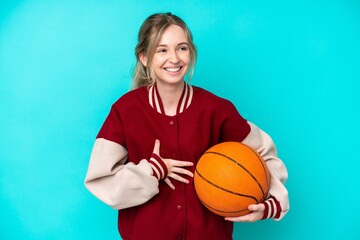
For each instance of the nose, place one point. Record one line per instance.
(174, 58)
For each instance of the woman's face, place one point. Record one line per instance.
(171, 60)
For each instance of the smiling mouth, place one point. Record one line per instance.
(173, 70)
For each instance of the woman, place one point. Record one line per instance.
(145, 154)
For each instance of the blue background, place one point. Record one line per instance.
(292, 67)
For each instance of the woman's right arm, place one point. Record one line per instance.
(115, 183)
(123, 185)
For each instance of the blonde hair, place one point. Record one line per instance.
(149, 37)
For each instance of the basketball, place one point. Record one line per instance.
(229, 177)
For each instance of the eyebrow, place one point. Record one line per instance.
(164, 45)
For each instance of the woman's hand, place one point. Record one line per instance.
(256, 214)
(174, 167)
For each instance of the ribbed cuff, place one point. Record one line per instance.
(272, 208)
(158, 166)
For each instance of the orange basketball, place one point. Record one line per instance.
(229, 177)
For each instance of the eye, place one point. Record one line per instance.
(183, 48)
(161, 50)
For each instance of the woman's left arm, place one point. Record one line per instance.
(277, 203)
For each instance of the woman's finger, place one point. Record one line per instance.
(156, 147)
(258, 211)
(182, 171)
(168, 182)
(178, 178)
(178, 163)
(251, 217)
(257, 207)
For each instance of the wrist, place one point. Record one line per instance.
(158, 166)
(272, 208)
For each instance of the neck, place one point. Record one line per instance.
(170, 95)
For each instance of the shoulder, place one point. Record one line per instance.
(210, 99)
(213, 103)
(223, 113)
(131, 98)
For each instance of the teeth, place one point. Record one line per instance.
(172, 69)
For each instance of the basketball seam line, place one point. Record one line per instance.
(262, 164)
(238, 164)
(226, 190)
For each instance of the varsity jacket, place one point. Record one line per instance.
(124, 174)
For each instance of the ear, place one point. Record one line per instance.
(143, 59)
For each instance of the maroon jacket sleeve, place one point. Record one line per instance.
(234, 126)
(112, 129)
